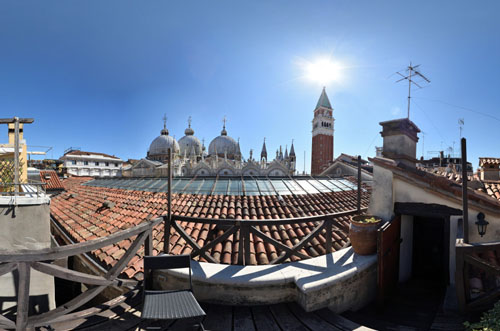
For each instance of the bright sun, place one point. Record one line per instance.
(323, 71)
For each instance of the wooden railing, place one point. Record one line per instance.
(324, 224)
(477, 277)
(41, 260)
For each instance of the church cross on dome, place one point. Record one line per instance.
(164, 131)
(189, 121)
(224, 132)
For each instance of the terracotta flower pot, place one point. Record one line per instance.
(363, 236)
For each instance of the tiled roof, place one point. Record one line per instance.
(52, 181)
(488, 160)
(79, 212)
(490, 187)
(453, 176)
(450, 183)
(73, 181)
(77, 152)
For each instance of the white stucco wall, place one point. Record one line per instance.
(405, 192)
(389, 189)
(381, 201)
(26, 228)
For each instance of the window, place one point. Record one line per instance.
(116, 164)
(85, 162)
(97, 163)
(73, 161)
(106, 164)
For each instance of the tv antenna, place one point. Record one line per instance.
(461, 126)
(412, 74)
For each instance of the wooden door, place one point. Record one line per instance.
(388, 241)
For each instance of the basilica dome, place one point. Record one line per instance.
(188, 142)
(159, 147)
(224, 144)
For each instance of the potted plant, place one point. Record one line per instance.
(363, 233)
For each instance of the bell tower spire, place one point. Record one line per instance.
(322, 134)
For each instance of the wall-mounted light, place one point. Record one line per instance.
(481, 224)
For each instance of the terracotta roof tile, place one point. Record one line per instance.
(79, 211)
(51, 179)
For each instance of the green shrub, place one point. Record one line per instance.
(490, 321)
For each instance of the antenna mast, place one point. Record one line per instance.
(461, 125)
(412, 74)
(423, 141)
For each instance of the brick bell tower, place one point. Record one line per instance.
(322, 135)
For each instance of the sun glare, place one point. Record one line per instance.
(323, 71)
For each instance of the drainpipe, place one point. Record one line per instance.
(465, 208)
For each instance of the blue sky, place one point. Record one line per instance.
(101, 74)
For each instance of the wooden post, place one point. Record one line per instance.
(460, 280)
(328, 236)
(166, 236)
(23, 295)
(246, 242)
(241, 248)
(16, 155)
(359, 185)
(148, 244)
(465, 207)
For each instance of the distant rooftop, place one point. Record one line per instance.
(83, 153)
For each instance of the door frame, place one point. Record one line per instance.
(432, 210)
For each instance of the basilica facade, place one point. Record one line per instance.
(223, 158)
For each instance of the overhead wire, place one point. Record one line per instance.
(431, 121)
(460, 107)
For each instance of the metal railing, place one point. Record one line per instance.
(22, 189)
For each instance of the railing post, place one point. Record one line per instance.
(246, 242)
(166, 234)
(23, 295)
(465, 207)
(241, 247)
(16, 155)
(168, 219)
(460, 280)
(359, 185)
(169, 183)
(328, 236)
(148, 244)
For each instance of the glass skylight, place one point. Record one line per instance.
(230, 185)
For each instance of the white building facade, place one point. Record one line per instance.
(80, 163)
